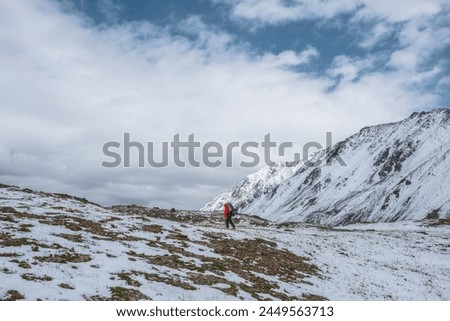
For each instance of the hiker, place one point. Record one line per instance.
(228, 213)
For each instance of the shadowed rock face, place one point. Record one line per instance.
(395, 171)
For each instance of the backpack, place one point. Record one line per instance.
(232, 209)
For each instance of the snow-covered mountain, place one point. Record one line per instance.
(260, 184)
(396, 171)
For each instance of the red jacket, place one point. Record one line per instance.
(226, 210)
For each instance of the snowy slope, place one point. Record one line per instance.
(58, 247)
(397, 171)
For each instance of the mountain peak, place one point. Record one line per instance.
(395, 171)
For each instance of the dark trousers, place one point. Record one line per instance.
(229, 222)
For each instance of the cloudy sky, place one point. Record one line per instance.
(75, 74)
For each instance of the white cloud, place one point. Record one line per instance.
(420, 27)
(420, 40)
(444, 81)
(279, 11)
(349, 68)
(308, 54)
(404, 59)
(290, 58)
(68, 87)
(400, 10)
(276, 11)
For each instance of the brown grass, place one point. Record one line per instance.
(125, 294)
(13, 295)
(33, 277)
(67, 257)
